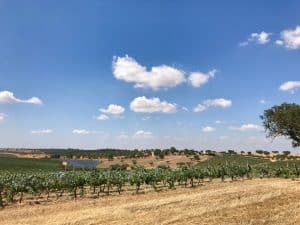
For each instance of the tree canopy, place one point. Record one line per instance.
(283, 120)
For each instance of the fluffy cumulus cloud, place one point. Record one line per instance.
(248, 127)
(81, 131)
(208, 129)
(2, 117)
(7, 97)
(113, 109)
(151, 105)
(42, 131)
(290, 86)
(259, 38)
(290, 38)
(218, 102)
(197, 79)
(102, 117)
(143, 134)
(163, 76)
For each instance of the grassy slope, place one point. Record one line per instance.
(21, 164)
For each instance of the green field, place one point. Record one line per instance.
(11, 163)
(256, 162)
(236, 159)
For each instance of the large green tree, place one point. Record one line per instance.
(283, 120)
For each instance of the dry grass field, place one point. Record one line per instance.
(268, 201)
(152, 162)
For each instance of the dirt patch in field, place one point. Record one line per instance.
(27, 155)
(270, 201)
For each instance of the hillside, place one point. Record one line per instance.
(269, 201)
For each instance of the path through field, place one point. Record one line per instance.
(268, 201)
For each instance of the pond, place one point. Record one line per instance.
(83, 163)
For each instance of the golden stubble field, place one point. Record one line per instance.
(268, 201)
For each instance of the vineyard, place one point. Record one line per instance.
(46, 186)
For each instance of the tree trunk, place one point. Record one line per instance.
(75, 193)
(21, 197)
(1, 200)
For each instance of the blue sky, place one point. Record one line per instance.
(146, 74)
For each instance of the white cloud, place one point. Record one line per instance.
(248, 127)
(219, 102)
(244, 43)
(208, 129)
(218, 121)
(185, 109)
(198, 78)
(163, 76)
(81, 131)
(143, 134)
(290, 86)
(102, 117)
(262, 101)
(7, 97)
(199, 108)
(43, 131)
(259, 38)
(151, 105)
(113, 109)
(290, 38)
(279, 42)
(140, 134)
(2, 117)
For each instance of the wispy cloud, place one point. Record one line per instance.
(2, 117)
(113, 109)
(143, 134)
(42, 131)
(81, 131)
(208, 129)
(248, 127)
(218, 102)
(290, 86)
(261, 38)
(7, 97)
(102, 117)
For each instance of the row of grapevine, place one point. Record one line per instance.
(44, 184)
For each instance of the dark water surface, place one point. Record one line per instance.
(83, 163)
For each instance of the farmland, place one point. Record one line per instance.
(12, 163)
(268, 201)
(46, 183)
(219, 188)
